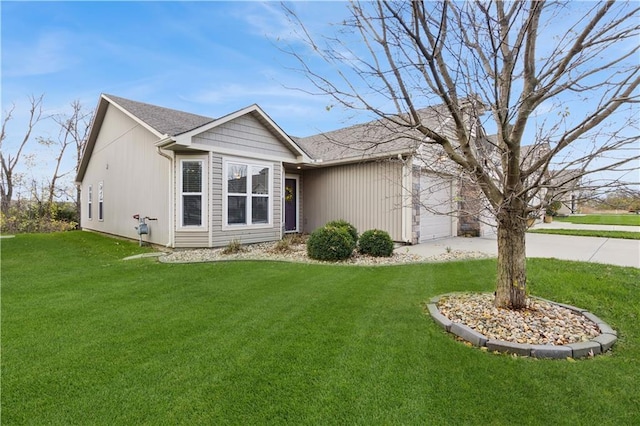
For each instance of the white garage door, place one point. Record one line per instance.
(436, 220)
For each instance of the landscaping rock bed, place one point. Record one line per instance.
(544, 330)
(298, 253)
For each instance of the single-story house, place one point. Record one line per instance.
(566, 186)
(209, 181)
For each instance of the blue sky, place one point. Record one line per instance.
(209, 58)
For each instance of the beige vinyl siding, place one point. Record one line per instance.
(368, 195)
(136, 180)
(221, 235)
(246, 134)
(191, 239)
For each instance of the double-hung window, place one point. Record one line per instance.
(191, 192)
(248, 191)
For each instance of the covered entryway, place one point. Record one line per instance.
(437, 206)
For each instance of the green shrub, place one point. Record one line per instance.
(552, 209)
(353, 232)
(330, 243)
(375, 242)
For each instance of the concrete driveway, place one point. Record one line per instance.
(587, 249)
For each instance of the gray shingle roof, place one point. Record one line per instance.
(165, 120)
(375, 138)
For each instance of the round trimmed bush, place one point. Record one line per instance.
(330, 243)
(353, 232)
(376, 243)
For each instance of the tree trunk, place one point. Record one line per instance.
(511, 287)
(7, 195)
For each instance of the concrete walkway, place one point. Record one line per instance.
(587, 249)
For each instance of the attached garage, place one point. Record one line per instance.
(437, 207)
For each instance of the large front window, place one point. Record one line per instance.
(192, 193)
(248, 192)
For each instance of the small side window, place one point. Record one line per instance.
(192, 192)
(90, 202)
(100, 201)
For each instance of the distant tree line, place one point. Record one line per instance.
(622, 199)
(49, 203)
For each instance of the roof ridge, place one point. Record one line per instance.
(169, 121)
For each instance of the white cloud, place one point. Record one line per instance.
(51, 52)
(268, 19)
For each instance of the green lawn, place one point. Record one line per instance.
(90, 339)
(603, 219)
(589, 233)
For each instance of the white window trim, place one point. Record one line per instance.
(204, 204)
(90, 202)
(249, 163)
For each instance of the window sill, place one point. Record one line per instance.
(192, 229)
(247, 227)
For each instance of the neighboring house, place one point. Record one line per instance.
(210, 181)
(565, 187)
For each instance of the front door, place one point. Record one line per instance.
(291, 205)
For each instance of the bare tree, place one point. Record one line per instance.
(555, 81)
(81, 125)
(72, 133)
(8, 161)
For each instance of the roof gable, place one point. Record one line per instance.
(172, 126)
(255, 111)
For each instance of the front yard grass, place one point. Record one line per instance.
(90, 339)
(603, 219)
(589, 233)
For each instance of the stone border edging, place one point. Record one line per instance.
(144, 255)
(595, 346)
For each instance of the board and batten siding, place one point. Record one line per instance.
(135, 179)
(368, 195)
(247, 134)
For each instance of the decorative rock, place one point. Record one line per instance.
(592, 318)
(544, 329)
(570, 307)
(297, 252)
